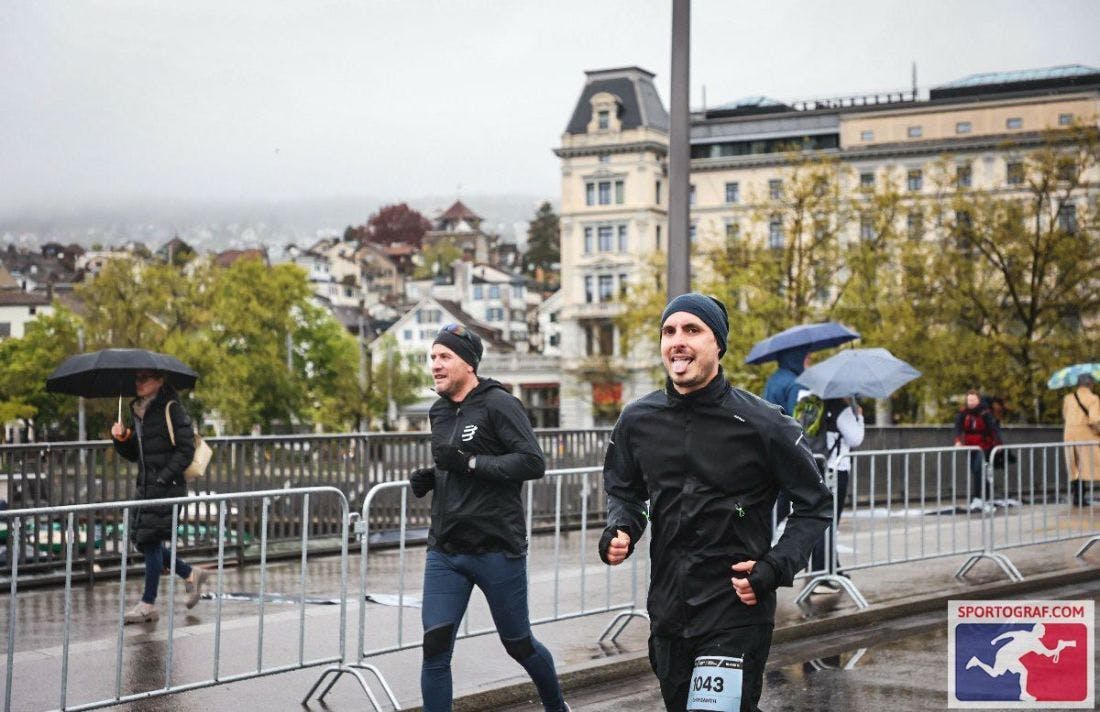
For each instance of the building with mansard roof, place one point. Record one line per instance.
(614, 188)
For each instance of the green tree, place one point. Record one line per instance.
(48, 341)
(437, 259)
(1017, 271)
(394, 378)
(543, 254)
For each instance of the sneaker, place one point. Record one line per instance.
(826, 587)
(142, 612)
(976, 504)
(193, 585)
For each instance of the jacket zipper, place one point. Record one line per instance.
(447, 476)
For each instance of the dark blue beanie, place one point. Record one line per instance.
(709, 309)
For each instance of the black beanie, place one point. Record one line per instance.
(709, 309)
(465, 343)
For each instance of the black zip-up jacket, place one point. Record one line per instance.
(481, 510)
(711, 463)
(160, 464)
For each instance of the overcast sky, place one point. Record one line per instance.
(113, 101)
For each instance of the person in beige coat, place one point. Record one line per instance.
(1081, 413)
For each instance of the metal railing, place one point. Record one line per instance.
(308, 500)
(573, 492)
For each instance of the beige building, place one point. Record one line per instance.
(613, 201)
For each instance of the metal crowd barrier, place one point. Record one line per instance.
(311, 500)
(1032, 499)
(573, 493)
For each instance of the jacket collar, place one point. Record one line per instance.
(709, 393)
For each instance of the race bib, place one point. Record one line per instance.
(715, 685)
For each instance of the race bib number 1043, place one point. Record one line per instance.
(715, 685)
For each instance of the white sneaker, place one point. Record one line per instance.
(976, 504)
(142, 612)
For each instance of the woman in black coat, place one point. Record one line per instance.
(160, 475)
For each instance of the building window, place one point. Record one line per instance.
(623, 286)
(587, 242)
(5, 328)
(915, 179)
(657, 192)
(775, 188)
(691, 194)
(733, 193)
(622, 238)
(605, 158)
(555, 339)
(962, 127)
(1014, 123)
(775, 232)
(1067, 219)
(589, 193)
(866, 227)
(915, 224)
(1065, 119)
(691, 233)
(866, 135)
(964, 175)
(605, 192)
(866, 180)
(604, 232)
(517, 291)
(607, 287)
(619, 192)
(408, 334)
(494, 314)
(1014, 172)
(657, 239)
(603, 120)
(914, 132)
(494, 291)
(589, 289)
(733, 230)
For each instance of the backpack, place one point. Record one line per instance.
(816, 422)
(203, 453)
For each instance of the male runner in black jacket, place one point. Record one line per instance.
(709, 459)
(484, 449)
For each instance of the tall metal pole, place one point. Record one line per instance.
(679, 157)
(81, 426)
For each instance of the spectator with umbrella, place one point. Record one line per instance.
(161, 442)
(791, 349)
(1081, 415)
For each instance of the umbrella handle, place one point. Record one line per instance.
(120, 410)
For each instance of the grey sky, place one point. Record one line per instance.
(114, 101)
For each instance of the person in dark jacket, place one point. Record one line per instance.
(976, 426)
(709, 459)
(160, 475)
(484, 450)
(782, 389)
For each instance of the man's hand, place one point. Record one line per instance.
(740, 581)
(451, 459)
(619, 548)
(422, 481)
(753, 581)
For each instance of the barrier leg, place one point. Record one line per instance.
(1081, 552)
(1001, 560)
(621, 620)
(336, 671)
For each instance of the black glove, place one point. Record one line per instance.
(422, 481)
(764, 579)
(451, 459)
(609, 534)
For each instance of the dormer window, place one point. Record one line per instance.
(606, 109)
(603, 120)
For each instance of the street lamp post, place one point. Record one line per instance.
(679, 157)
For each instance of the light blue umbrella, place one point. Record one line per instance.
(1067, 377)
(874, 373)
(810, 337)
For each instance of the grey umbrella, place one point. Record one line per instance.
(874, 373)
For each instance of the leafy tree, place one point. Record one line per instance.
(394, 378)
(397, 223)
(48, 341)
(1017, 271)
(437, 259)
(544, 245)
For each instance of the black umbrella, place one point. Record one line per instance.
(110, 372)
